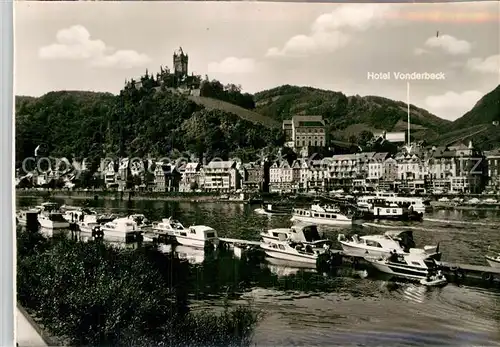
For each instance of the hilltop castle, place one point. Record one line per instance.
(179, 80)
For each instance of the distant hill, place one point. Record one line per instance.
(348, 115)
(477, 124)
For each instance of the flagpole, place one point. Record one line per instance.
(408, 105)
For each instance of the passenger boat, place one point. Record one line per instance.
(269, 210)
(198, 236)
(400, 242)
(300, 243)
(326, 215)
(413, 203)
(121, 229)
(383, 210)
(50, 217)
(415, 265)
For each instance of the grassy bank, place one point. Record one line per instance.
(91, 294)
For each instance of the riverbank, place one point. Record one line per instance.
(116, 195)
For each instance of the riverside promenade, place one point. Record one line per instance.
(27, 334)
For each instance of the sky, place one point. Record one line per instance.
(96, 46)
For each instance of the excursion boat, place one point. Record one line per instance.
(326, 215)
(300, 243)
(400, 242)
(269, 210)
(415, 265)
(121, 229)
(198, 236)
(412, 203)
(50, 216)
(383, 210)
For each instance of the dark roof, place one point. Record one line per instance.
(310, 124)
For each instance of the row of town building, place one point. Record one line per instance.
(454, 169)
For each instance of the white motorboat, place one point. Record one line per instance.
(438, 280)
(89, 223)
(121, 229)
(141, 220)
(167, 226)
(50, 217)
(52, 221)
(391, 241)
(198, 236)
(77, 214)
(326, 215)
(493, 261)
(415, 265)
(300, 243)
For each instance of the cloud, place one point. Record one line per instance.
(449, 44)
(420, 51)
(327, 32)
(488, 65)
(74, 43)
(302, 45)
(453, 105)
(123, 59)
(232, 65)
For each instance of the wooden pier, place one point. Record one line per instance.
(464, 272)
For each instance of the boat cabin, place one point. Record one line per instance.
(199, 232)
(168, 224)
(299, 233)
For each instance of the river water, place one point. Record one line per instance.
(303, 308)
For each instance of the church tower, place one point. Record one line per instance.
(180, 63)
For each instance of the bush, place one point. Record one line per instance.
(94, 294)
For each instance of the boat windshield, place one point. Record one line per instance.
(405, 240)
(311, 233)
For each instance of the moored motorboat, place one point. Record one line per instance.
(384, 245)
(141, 220)
(415, 265)
(198, 236)
(50, 216)
(121, 229)
(89, 223)
(300, 243)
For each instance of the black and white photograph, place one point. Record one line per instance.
(257, 174)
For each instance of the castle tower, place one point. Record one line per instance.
(180, 63)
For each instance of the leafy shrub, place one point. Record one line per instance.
(94, 294)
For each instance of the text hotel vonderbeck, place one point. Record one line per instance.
(406, 76)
